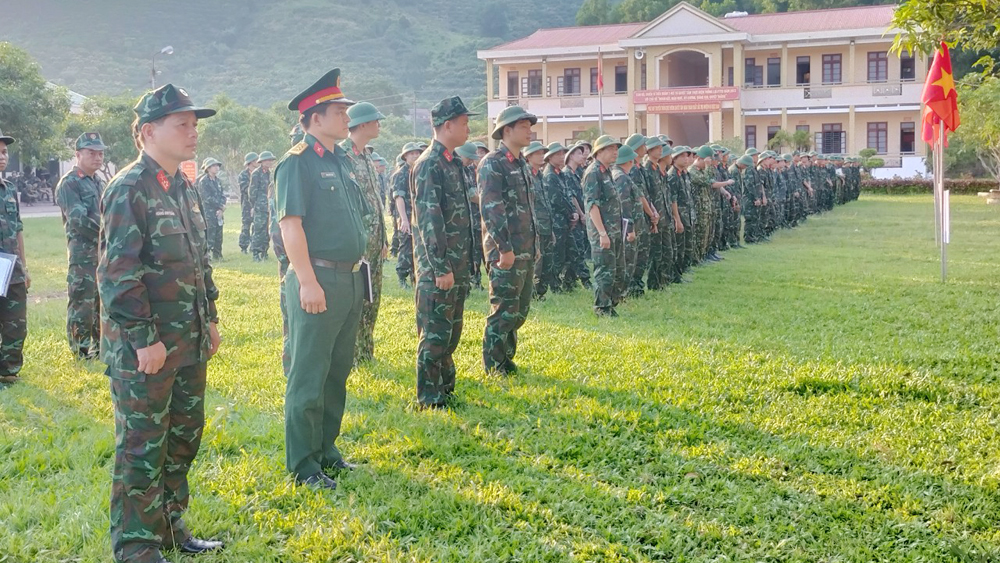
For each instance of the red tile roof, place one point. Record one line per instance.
(861, 17)
(573, 37)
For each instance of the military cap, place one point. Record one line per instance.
(635, 140)
(752, 151)
(745, 160)
(421, 146)
(626, 154)
(787, 157)
(90, 141)
(718, 147)
(534, 147)
(6, 139)
(571, 149)
(266, 155)
(166, 100)
(362, 113)
(326, 90)
(468, 150)
(208, 163)
(448, 109)
(666, 140)
(653, 142)
(510, 116)
(250, 157)
(680, 149)
(481, 145)
(554, 148)
(605, 141)
(704, 151)
(585, 143)
(408, 148)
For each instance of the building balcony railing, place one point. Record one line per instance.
(818, 95)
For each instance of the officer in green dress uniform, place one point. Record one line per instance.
(322, 213)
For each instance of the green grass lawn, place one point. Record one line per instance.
(822, 397)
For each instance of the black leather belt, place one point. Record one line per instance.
(336, 266)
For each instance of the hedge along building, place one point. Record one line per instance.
(698, 78)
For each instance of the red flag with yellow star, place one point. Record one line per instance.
(940, 98)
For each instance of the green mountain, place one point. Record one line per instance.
(262, 52)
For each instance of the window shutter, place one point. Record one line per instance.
(524, 87)
(548, 86)
(843, 142)
(818, 144)
(560, 83)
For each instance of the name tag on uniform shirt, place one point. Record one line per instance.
(165, 213)
(327, 174)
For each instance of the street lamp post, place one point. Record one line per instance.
(168, 50)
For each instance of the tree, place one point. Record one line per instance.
(31, 110)
(493, 22)
(112, 117)
(869, 161)
(977, 97)
(596, 12)
(237, 130)
(802, 140)
(967, 24)
(781, 140)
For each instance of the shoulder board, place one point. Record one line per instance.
(299, 148)
(129, 176)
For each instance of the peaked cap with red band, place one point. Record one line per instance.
(326, 90)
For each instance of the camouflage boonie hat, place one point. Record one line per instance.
(481, 145)
(510, 116)
(626, 154)
(635, 140)
(6, 139)
(534, 147)
(166, 100)
(448, 109)
(90, 141)
(250, 157)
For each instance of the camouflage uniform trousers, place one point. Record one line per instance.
(83, 312)
(636, 286)
(701, 231)
(13, 328)
(261, 231)
(476, 268)
(510, 300)
(583, 250)
(630, 250)
(667, 271)
(655, 263)
(394, 242)
(158, 427)
(439, 330)
(246, 220)
(753, 229)
(365, 348)
(543, 271)
(560, 274)
(609, 272)
(719, 209)
(731, 224)
(404, 257)
(213, 234)
(684, 243)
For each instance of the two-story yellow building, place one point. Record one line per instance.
(699, 78)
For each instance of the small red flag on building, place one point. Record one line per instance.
(600, 74)
(940, 98)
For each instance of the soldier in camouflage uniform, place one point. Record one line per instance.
(660, 264)
(322, 215)
(604, 226)
(509, 232)
(442, 240)
(13, 307)
(78, 196)
(261, 185)
(159, 328)
(246, 206)
(635, 285)
(364, 128)
(631, 204)
(534, 154)
(404, 211)
(559, 274)
(213, 204)
(469, 154)
(679, 186)
(579, 249)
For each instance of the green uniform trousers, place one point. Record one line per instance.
(83, 312)
(321, 355)
(440, 318)
(510, 300)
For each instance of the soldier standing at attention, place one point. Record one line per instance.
(79, 196)
(213, 204)
(534, 154)
(470, 158)
(562, 215)
(364, 128)
(442, 245)
(604, 226)
(404, 209)
(14, 307)
(260, 187)
(321, 211)
(509, 231)
(246, 206)
(631, 202)
(159, 328)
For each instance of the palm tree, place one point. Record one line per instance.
(780, 140)
(802, 140)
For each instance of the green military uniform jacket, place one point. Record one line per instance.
(10, 226)
(442, 217)
(506, 203)
(79, 199)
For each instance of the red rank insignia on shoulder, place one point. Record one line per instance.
(603, 169)
(79, 173)
(510, 156)
(319, 149)
(448, 156)
(161, 177)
